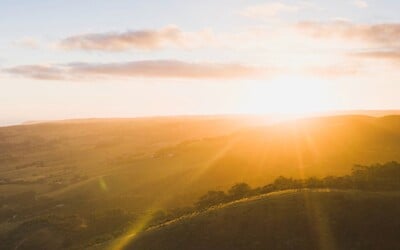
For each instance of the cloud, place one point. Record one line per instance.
(137, 69)
(385, 34)
(360, 4)
(268, 10)
(171, 69)
(139, 39)
(40, 72)
(391, 55)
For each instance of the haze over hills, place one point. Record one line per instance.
(260, 117)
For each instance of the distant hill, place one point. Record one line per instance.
(371, 112)
(247, 118)
(265, 117)
(318, 219)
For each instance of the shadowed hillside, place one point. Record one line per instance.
(318, 219)
(356, 211)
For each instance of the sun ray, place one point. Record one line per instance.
(142, 223)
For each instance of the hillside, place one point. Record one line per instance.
(308, 219)
(49, 156)
(85, 182)
(300, 149)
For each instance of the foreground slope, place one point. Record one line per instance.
(307, 219)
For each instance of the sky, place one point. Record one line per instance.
(63, 59)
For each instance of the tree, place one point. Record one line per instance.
(239, 190)
(210, 199)
(313, 182)
(282, 183)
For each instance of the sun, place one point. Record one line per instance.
(290, 95)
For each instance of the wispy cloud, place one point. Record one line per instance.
(40, 72)
(385, 34)
(391, 55)
(138, 39)
(137, 69)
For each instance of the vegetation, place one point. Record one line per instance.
(378, 177)
(301, 220)
(357, 211)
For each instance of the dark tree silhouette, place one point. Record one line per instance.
(239, 190)
(211, 198)
(375, 177)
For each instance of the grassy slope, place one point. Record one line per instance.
(93, 147)
(286, 220)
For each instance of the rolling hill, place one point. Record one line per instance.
(307, 219)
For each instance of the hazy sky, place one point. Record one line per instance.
(102, 58)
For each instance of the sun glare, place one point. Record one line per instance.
(289, 95)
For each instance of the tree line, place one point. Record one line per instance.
(377, 177)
